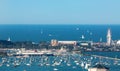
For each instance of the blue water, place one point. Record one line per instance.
(108, 54)
(59, 32)
(67, 59)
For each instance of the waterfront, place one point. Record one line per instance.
(68, 62)
(78, 37)
(47, 56)
(59, 35)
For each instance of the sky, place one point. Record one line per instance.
(59, 11)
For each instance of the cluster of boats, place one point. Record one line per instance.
(68, 59)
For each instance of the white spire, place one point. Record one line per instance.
(41, 31)
(109, 37)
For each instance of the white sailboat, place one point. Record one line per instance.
(55, 69)
(41, 31)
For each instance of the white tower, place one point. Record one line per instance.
(109, 37)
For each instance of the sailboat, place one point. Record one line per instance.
(16, 64)
(82, 64)
(41, 31)
(87, 65)
(1, 64)
(55, 69)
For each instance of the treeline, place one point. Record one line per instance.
(31, 45)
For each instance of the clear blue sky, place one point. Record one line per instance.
(60, 11)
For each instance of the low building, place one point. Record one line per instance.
(67, 42)
(85, 43)
(54, 42)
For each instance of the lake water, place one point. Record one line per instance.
(39, 33)
(71, 62)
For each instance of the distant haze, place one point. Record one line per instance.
(59, 12)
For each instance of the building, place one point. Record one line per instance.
(109, 37)
(54, 42)
(85, 43)
(67, 42)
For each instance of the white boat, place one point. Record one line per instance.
(1, 64)
(28, 64)
(55, 69)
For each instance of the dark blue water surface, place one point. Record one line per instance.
(38, 33)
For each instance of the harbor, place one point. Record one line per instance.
(61, 55)
(59, 35)
(75, 62)
(52, 47)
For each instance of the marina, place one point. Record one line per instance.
(75, 62)
(59, 35)
(62, 55)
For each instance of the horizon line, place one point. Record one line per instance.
(54, 24)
